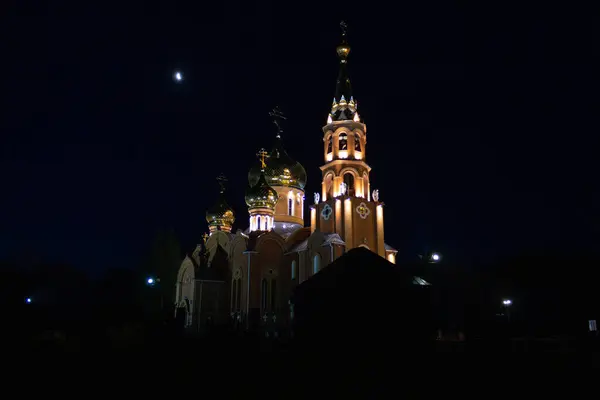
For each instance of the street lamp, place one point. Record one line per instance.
(507, 303)
(177, 76)
(431, 258)
(150, 281)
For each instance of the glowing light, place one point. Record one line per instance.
(343, 154)
(507, 302)
(329, 119)
(356, 117)
(178, 76)
(434, 257)
(150, 281)
(28, 300)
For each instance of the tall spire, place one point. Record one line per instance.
(344, 106)
(343, 87)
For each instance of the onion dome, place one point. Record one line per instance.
(221, 215)
(261, 195)
(281, 170)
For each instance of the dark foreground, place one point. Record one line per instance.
(226, 364)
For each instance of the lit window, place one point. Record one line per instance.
(316, 263)
(330, 144)
(290, 206)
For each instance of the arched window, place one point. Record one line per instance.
(343, 141)
(349, 181)
(234, 293)
(290, 197)
(330, 144)
(294, 266)
(238, 295)
(273, 294)
(356, 142)
(264, 288)
(316, 263)
(258, 227)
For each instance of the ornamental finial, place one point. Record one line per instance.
(343, 49)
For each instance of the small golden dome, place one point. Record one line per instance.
(220, 215)
(343, 50)
(261, 195)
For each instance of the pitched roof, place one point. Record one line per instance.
(303, 245)
(359, 266)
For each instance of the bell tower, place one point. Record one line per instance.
(344, 205)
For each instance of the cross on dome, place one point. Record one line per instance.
(277, 116)
(262, 154)
(222, 179)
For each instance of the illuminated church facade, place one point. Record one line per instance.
(247, 277)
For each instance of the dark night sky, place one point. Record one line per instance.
(481, 120)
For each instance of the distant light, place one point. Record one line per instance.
(28, 300)
(435, 257)
(150, 281)
(178, 76)
(507, 302)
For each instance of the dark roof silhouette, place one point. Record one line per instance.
(360, 266)
(359, 300)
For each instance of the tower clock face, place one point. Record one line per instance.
(326, 212)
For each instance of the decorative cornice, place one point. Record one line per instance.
(345, 161)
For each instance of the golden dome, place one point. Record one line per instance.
(220, 216)
(281, 170)
(261, 195)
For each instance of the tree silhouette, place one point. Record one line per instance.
(163, 261)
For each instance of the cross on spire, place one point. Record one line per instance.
(222, 179)
(262, 154)
(277, 116)
(344, 27)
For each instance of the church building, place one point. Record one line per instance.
(246, 278)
